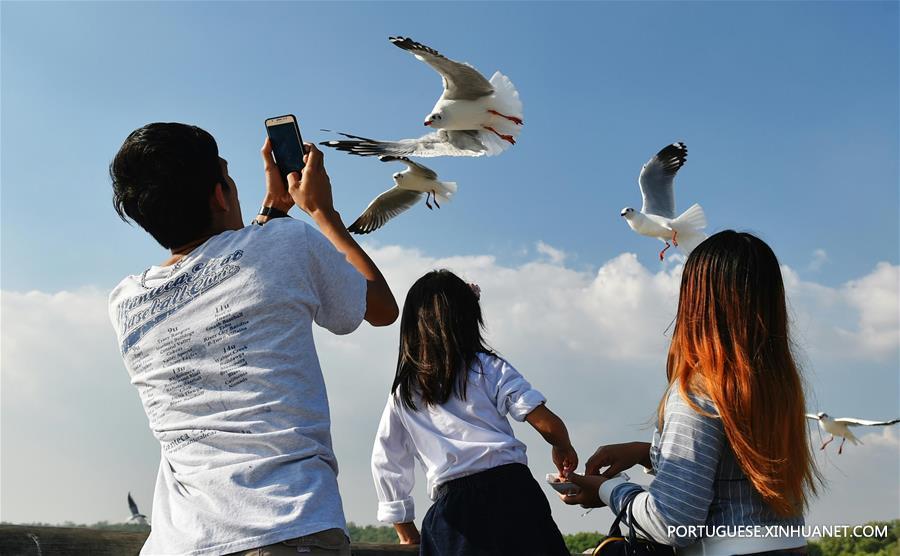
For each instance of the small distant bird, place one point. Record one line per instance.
(841, 427)
(473, 116)
(136, 515)
(657, 216)
(410, 186)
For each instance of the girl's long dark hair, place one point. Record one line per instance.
(440, 339)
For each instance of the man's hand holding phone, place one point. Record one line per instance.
(311, 190)
(277, 194)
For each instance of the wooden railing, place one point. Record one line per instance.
(26, 540)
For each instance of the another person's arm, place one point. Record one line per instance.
(393, 462)
(311, 191)
(615, 458)
(690, 447)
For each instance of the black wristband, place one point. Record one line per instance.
(272, 212)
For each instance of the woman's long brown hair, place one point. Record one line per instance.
(731, 344)
(440, 339)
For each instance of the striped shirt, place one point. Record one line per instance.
(698, 482)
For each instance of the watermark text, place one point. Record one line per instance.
(776, 531)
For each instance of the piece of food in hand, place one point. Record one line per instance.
(561, 485)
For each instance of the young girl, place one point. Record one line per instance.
(731, 446)
(447, 409)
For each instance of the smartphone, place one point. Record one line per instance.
(561, 486)
(287, 145)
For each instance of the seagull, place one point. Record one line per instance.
(841, 427)
(409, 186)
(472, 117)
(135, 514)
(657, 216)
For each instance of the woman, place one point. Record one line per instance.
(730, 448)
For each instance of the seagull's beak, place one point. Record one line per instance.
(427, 123)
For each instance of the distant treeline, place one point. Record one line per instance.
(579, 542)
(127, 527)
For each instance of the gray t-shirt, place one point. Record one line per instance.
(220, 348)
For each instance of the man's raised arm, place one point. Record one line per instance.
(312, 193)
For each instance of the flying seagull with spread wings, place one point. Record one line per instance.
(657, 216)
(472, 117)
(410, 186)
(841, 427)
(136, 515)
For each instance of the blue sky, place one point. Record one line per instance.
(789, 111)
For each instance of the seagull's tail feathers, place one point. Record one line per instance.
(692, 219)
(506, 97)
(689, 226)
(446, 192)
(852, 438)
(505, 100)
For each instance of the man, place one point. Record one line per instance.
(218, 341)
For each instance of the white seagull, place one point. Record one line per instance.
(473, 116)
(841, 427)
(409, 187)
(136, 515)
(657, 216)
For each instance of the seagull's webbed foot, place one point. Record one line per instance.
(675, 238)
(841, 447)
(827, 442)
(434, 196)
(427, 202)
(508, 138)
(662, 254)
(513, 119)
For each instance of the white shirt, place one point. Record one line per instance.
(453, 440)
(220, 348)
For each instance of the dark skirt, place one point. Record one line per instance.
(500, 511)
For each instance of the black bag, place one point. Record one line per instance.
(615, 544)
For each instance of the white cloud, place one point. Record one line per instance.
(877, 299)
(592, 340)
(819, 259)
(556, 256)
(74, 437)
(862, 484)
(859, 320)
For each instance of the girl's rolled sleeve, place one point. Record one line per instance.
(514, 394)
(393, 468)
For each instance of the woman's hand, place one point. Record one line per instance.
(617, 458)
(589, 495)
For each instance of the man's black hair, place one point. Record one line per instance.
(163, 177)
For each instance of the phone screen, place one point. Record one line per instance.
(286, 143)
